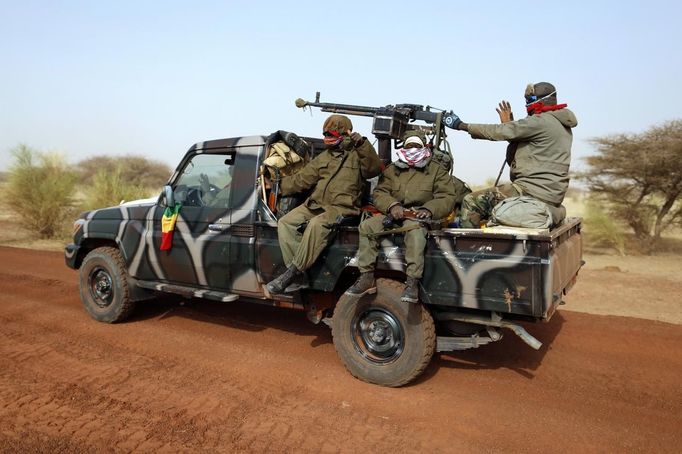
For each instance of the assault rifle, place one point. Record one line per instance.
(390, 122)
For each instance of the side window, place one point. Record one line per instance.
(206, 181)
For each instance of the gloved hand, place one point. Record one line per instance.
(423, 213)
(451, 120)
(397, 212)
(205, 185)
(356, 138)
(505, 112)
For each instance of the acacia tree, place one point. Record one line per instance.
(640, 176)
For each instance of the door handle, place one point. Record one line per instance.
(216, 227)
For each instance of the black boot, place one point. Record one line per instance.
(299, 283)
(411, 292)
(282, 281)
(365, 284)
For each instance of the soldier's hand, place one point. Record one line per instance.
(505, 112)
(356, 138)
(423, 213)
(452, 120)
(397, 212)
(203, 181)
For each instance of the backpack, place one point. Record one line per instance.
(282, 157)
(443, 158)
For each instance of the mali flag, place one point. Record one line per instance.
(170, 216)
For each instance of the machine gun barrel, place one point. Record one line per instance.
(348, 109)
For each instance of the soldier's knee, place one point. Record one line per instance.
(318, 223)
(370, 225)
(468, 201)
(363, 228)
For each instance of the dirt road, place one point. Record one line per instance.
(236, 377)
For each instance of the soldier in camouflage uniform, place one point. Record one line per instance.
(539, 154)
(337, 175)
(415, 182)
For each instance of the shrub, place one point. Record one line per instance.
(601, 230)
(108, 188)
(134, 170)
(40, 190)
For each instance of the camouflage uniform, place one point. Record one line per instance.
(477, 206)
(540, 156)
(430, 187)
(338, 176)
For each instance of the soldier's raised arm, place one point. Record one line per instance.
(370, 163)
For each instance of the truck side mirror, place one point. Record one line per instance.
(167, 198)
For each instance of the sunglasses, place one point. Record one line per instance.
(530, 99)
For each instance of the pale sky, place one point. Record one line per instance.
(152, 78)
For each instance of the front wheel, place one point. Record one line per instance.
(382, 340)
(104, 285)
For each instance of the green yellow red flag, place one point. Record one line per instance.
(170, 216)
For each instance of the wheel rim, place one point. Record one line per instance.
(377, 335)
(101, 287)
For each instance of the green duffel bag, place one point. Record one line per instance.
(522, 211)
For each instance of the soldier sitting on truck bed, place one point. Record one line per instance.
(416, 184)
(337, 175)
(539, 154)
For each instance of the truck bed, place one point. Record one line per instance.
(521, 272)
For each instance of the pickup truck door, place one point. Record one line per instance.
(200, 252)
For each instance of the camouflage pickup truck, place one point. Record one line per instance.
(224, 247)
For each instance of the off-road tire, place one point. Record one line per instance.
(410, 350)
(109, 301)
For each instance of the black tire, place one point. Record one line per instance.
(104, 285)
(382, 340)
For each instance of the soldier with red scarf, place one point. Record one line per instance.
(336, 177)
(539, 154)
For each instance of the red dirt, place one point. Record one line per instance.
(203, 376)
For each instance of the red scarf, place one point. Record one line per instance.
(333, 139)
(538, 107)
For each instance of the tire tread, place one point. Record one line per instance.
(126, 306)
(429, 334)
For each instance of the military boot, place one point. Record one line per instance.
(411, 292)
(300, 282)
(281, 282)
(364, 285)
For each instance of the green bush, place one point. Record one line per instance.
(40, 190)
(134, 170)
(111, 187)
(600, 228)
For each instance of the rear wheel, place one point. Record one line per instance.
(382, 340)
(104, 285)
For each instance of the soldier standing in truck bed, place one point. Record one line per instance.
(338, 175)
(539, 154)
(415, 182)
